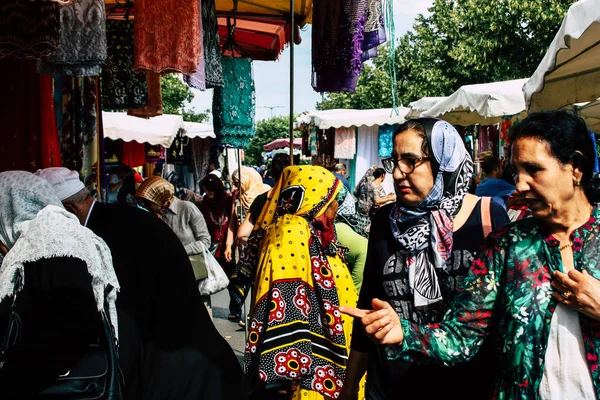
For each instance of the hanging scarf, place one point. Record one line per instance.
(35, 226)
(425, 233)
(251, 185)
(296, 330)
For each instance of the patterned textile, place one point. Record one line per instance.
(49, 130)
(348, 212)
(201, 156)
(34, 225)
(234, 103)
(345, 143)
(121, 87)
(82, 46)
(28, 28)
(386, 145)
(251, 185)
(337, 54)
(154, 106)
(296, 331)
(425, 232)
(157, 190)
(374, 29)
(212, 50)
(312, 139)
(508, 294)
(198, 79)
(362, 191)
(77, 118)
(165, 45)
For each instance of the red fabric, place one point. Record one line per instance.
(134, 154)
(137, 177)
(171, 44)
(49, 132)
(20, 135)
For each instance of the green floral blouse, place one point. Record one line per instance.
(507, 298)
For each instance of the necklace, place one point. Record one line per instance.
(564, 246)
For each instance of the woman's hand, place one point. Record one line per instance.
(381, 324)
(227, 253)
(579, 291)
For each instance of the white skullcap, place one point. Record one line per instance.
(65, 182)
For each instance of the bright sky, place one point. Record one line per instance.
(272, 78)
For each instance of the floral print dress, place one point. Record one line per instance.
(507, 298)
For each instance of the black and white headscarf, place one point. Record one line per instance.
(425, 233)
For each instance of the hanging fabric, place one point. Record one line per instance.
(153, 153)
(175, 152)
(374, 29)
(313, 141)
(593, 137)
(234, 103)
(345, 143)
(386, 133)
(28, 29)
(20, 115)
(212, 54)
(154, 107)
(49, 132)
(483, 140)
(82, 46)
(201, 150)
(121, 87)
(134, 154)
(337, 53)
(198, 79)
(165, 45)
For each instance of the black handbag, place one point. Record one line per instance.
(96, 375)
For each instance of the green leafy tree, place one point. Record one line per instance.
(460, 42)
(267, 130)
(175, 96)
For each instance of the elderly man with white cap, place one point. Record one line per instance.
(169, 347)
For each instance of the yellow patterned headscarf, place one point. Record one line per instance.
(296, 329)
(157, 190)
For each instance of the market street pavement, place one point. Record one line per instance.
(231, 331)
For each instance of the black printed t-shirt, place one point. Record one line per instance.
(386, 279)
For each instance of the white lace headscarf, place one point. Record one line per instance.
(34, 226)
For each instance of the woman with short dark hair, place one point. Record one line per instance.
(535, 286)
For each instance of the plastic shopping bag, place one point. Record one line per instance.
(217, 279)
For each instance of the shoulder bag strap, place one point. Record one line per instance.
(486, 216)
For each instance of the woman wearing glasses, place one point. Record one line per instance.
(420, 250)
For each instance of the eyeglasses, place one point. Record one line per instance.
(406, 165)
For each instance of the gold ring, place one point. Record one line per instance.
(567, 294)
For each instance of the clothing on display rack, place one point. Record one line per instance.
(386, 134)
(345, 143)
(197, 80)
(83, 46)
(154, 107)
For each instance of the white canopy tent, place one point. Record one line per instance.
(485, 103)
(423, 104)
(198, 130)
(570, 71)
(348, 118)
(159, 130)
(590, 112)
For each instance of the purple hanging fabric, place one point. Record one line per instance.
(337, 44)
(198, 79)
(374, 29)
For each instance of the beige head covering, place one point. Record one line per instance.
(157, 190)
(251, 185)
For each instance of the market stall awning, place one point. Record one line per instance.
(282, 144)
(590, 112)
(159, 130)
(259, 39)
(423, 104)
(485, 103)
(198, 130)
(268, 8)
(347, 118)
(570, 71)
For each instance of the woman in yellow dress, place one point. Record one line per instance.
(298, 340)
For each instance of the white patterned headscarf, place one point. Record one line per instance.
(34, 226)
